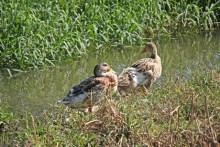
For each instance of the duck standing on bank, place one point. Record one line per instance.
(141, 73)
(90, 91)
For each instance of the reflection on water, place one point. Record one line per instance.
(36, 90)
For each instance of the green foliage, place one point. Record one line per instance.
(4, 116)
(36, 33)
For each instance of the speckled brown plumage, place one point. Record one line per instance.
(90, 91)
(142, 72)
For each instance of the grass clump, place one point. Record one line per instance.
(37, 33)
(179, 112)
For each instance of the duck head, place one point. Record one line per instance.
(103, 69)
(151, 48)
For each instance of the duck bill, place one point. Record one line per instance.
(113, 71)
(143, 51)
(110, 69)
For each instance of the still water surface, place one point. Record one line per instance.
(36, 90)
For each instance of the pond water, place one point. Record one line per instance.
(34, 91)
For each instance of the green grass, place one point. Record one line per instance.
(179, 112)
(37, 33)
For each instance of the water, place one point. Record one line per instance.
(36, 90)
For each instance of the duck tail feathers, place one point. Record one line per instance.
(63, 101)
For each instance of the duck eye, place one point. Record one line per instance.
(105, 64)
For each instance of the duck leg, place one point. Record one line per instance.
(110, 105)
(90, 109)
(144, 89)
(112, 109)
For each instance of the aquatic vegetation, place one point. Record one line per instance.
(37, 33)
(177, 113)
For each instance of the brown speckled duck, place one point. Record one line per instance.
(141, 73)
(90, 91)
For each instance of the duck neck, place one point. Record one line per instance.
(113, 80)
(112, 76)
(154, 54)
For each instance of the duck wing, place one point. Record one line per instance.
(144, 65)
(86, 93)
(78, 89)
(139, 73)
(76, 93)
(125, 78)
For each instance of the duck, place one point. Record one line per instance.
(143, 73)
(93, 89)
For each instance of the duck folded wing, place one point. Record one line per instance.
(125, 78)
(85, 94)
(78, 89)
(144, 65)
(95, 85)
(139, 73)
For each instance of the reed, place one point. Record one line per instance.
(37, 33)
